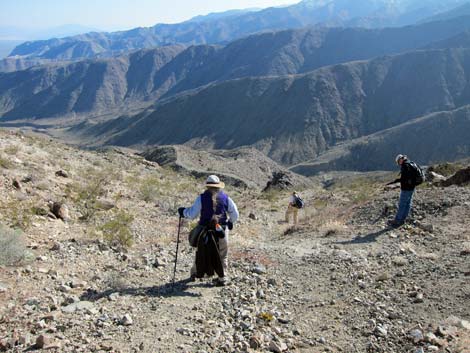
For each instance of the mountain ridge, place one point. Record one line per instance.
(144, 77)
(212, 31)
(324, 107)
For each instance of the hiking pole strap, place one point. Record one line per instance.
(177, 246)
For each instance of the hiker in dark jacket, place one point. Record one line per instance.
(407, 186)
(213, 207)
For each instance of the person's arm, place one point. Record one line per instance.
(193, 211)
(232, 211)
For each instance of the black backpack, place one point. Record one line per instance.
(418, 173)
(298, 202)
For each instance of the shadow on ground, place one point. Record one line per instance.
(369, 238)
(178, 289)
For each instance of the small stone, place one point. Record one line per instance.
(383, 277)
(252, 216)
(3, 287)
(255, 342)
(126, 320)
(42, 341)
(277, 347)
(78, 283)
(56, 247)
(61, 173)
(416, 335)
(16, 184)
(399, 261)
(381, 331)
(113, 296)
(78, 306)
(419, 298)
(259, 269)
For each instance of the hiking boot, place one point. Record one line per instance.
(395, 224)
(219, 281)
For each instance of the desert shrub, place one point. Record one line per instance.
(86, 194)
(114, 281)
(5, 163)
(150, 189)
(359, 189)
(116, 230)
(18, 213)
(11, 150)
(12, 247)
(271, 195)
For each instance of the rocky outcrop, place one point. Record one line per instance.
(243, 167)
(462, 177)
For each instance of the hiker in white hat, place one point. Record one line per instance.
(214, 208)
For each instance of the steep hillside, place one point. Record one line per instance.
(102, 86)
(431, 139)
(295, 118)
(375, 13)
(117, 280)
(461, 40)
(17, 64)
(86, 86)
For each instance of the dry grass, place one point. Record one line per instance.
(332, 228)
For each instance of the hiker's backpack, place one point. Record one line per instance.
(298, 202)
(418, 173)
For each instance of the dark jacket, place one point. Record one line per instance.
(407, 176)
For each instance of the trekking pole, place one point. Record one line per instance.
(177, 246)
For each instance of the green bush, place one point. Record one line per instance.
(116, 230)
(18, 213)
(150, 189)
(5, 163)
(85, 195)
(12, 247)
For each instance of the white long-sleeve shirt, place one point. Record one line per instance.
(195, 210)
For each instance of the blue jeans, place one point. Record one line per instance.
(404, 205)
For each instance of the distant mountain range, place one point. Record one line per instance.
(223, 28)
(314, 98)
(96, 87)
(297, 117)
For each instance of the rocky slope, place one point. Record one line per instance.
(426, 139)
(242, 167)
(232, 26)
(295, 118)
(338, 282)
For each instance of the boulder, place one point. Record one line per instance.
(59, 210)
(461, 177)
(279, 181)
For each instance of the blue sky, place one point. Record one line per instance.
(115, 14)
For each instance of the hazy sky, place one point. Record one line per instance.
(113, 14)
